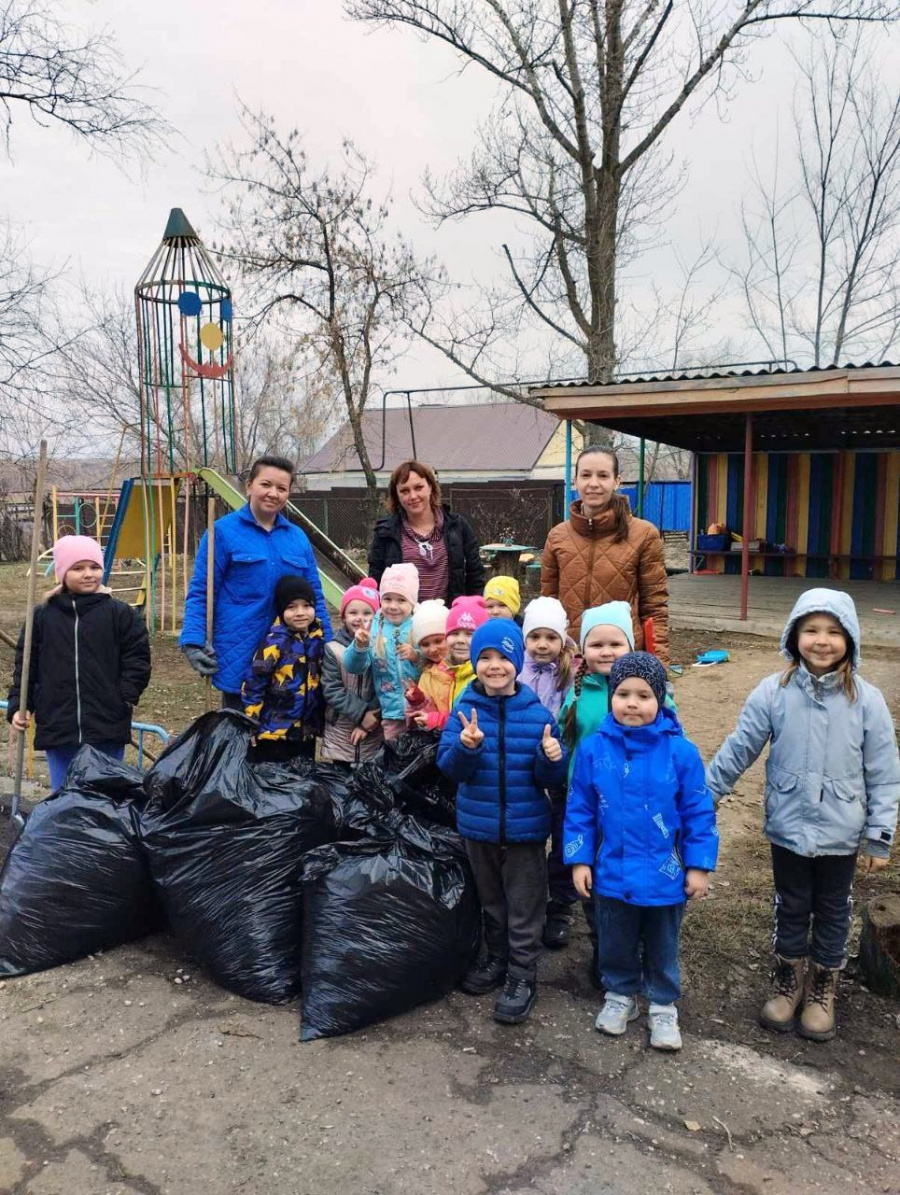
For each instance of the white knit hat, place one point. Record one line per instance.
(547, 614)
(430, 618)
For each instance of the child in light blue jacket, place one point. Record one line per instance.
(387, 647)
(832, 787)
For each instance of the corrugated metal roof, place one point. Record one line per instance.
(714, 373)
(494, 437)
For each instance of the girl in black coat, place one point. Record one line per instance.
(90, 663)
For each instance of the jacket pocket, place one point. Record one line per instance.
(781, 786)
(846, 790)
(245, 579)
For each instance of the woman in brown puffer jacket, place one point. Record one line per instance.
(602, 553)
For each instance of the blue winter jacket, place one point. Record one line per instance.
(390, 674)
(501, 782)
(249, 561)
(639, 812)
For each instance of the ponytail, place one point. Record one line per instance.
(564, 668)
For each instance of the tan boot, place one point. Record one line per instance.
(817, 1021)
(780, 1010)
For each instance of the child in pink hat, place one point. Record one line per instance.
(352, 715)
(466, 615)
(90, 663)
(387, 648)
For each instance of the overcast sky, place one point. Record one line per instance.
(402, 100)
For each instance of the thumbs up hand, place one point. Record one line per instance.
(550, 746)
(471, 736)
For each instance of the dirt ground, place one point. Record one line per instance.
(115, 1078)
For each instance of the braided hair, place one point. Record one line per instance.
(568, 730)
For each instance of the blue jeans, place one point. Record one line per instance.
(59, 758)
(638, 949)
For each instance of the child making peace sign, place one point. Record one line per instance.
(506, 754)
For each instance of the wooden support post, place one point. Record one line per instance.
(210, 585)
(748, 514)
(29, 628)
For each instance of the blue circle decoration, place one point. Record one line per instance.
(225, 311)
(189, 303)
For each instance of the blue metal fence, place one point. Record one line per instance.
(666, 503)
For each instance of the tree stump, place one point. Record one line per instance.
(879, 945)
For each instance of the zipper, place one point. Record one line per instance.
(590, 567)
(77, 674)
(502, 754)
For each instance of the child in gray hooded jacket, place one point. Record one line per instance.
(832, 786)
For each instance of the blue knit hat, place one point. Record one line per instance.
(611, 614)
(645, 666)
(503, 635)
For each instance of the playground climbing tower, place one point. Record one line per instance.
(187, 411)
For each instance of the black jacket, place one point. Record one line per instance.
(90, 662)
(466, 572)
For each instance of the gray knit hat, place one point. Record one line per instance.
(641, 664)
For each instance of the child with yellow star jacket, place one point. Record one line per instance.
(282, 686)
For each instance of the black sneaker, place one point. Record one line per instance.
(515, 1002)
(556, 928)
(487, 974)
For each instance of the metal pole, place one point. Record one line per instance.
(640, 494)
(568, 489)
(748, 514)
(25, 679)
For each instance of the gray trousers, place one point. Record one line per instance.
(512, 887)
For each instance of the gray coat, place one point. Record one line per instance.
(348, 698)
(833, 772)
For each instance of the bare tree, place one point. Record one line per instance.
(278, 408)
(575, 144)
(318, 247)
(821, 275)
(60, 76)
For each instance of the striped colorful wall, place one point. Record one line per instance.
(820, 503)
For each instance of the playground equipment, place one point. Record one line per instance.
(184, 315)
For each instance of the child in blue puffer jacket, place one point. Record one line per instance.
(506, 756)
(640, 831)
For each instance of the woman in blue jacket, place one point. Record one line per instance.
(640, 831)
(254, 548)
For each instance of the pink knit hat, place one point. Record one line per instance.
(467, 614)
(402, 579)
(69, 549)
(366, 591)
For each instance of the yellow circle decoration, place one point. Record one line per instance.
(211, 337)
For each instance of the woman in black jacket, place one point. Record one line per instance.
(90, 663)
(420, 531)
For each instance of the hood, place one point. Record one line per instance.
(666, 724)
(826, 601)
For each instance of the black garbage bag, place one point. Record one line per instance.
(224, 839)
(418, 784)
(75, 881)
(389, 922)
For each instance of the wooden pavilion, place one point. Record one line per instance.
(802, 465)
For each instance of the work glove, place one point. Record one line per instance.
(201, 659)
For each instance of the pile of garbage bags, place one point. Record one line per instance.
(349, 886)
